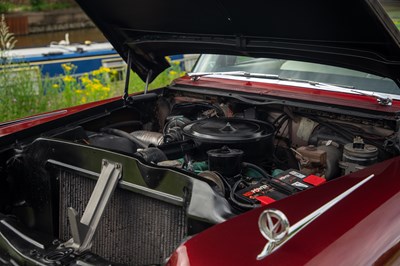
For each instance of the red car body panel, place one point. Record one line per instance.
(367, 212)
(366, 225)
(291, 92)
(274, 90)
(35, 120)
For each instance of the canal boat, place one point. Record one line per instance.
(86, 57)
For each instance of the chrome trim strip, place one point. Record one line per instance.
(18, 252)
(74, 59)
(127, 185)
(21, 235)
(271, 247)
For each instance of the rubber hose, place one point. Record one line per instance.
(126, 135)
(257, 168)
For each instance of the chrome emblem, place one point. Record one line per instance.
(274, 226)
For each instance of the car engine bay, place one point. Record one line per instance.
(213, 156)
(240, 148)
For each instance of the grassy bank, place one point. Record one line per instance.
(23, 92)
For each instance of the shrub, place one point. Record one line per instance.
(5, 7)
(24, 92)
(37, 5)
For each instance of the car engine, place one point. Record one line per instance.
(254, 156)
(187, 161)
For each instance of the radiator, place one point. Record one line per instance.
(135, 229)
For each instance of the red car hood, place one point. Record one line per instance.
(355, 231)
(324, 97)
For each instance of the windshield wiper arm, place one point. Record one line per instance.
(382, 100)
(198, 75)
(317, 83)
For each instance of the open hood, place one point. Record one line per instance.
(356, 34)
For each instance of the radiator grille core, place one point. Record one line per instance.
(134, 230)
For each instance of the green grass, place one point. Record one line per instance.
(24, 92)
(165, 78)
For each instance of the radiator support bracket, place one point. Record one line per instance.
(84, 229)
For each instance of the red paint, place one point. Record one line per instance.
(50, 116)
(276, 90)
(356, 231)
(314, 180)
(265, 200)
(292, 92)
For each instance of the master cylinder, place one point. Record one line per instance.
(322, 160)
(311, 159)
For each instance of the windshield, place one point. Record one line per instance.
(297, 70)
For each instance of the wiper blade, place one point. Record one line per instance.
(317, 83)
(381, 99)
(198, 75)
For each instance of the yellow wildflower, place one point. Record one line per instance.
(83, 100)
(68, 78)
(172, 72)
(105, 69)
(55, 86)
(96, 72)
(106, 89)
(79, 91)
(168, 58)
(67, 67)
(85, 80)
(95, 87)
(177, 63)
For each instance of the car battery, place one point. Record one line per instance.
(293, 181)
(262, 192)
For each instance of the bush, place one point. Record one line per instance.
(37, 5)
(5, 7)
(23, 92)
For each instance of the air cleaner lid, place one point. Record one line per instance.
(228, 130)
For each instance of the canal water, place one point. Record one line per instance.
(44, 39)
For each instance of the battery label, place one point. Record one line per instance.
(257, 191)
(260, 192)
(291, 180)
(297, 174)
(300, 185)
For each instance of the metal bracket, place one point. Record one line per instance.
(83, 231)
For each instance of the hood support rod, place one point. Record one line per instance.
(127, 76)
(146, 88)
